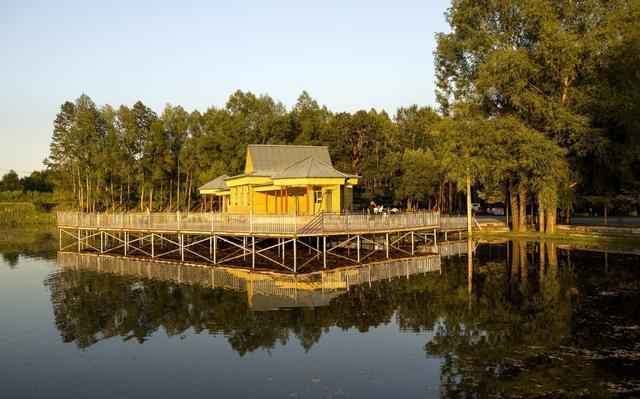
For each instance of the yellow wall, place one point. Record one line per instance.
(301, 200)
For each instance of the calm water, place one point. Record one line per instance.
(564, 323)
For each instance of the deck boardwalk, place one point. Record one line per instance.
(289, 241)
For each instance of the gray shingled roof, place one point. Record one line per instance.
(270, 158)
(216, 184)
(309, 167)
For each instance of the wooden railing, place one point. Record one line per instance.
(217, 222)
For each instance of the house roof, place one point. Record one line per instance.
(216, 184)
(268, 159)
(309, 167)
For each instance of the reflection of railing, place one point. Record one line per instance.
(283, 285)
(217, 222)
(453, 248)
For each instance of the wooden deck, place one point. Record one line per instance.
(265, 225)
(291, 242)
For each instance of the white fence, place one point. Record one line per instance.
(217, 222)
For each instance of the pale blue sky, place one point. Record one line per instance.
(348, 55)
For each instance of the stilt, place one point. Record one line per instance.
(60, 238)
(358, 247)
(181, 241)
(413, 251)
(435, 237)
(295, 260)
(253, 252)
(210, 247)
(324, 252)
(215, 249)
(153, 248)
(244, 248)
(101, 242)
(386, 244)
(126, 243)
(79, 241)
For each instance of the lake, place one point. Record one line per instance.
(538, 319)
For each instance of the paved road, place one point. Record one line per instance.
(627, 221)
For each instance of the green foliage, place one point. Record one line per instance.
(10, 182)
(564, 69)
(24, 214)
(419, 172)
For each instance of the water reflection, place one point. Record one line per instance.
(518, 319)
(32, 243)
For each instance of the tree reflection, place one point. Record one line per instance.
(508, 336)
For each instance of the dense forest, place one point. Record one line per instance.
(539, 105)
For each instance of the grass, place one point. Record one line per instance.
(25, 215)
(624, 244)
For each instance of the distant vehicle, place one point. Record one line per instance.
(475, 207)
(496, 211)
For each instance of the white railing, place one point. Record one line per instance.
(217, 222)
(450, 222)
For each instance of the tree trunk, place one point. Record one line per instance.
(142, 198)
(469, 215)
(88, 191)
(541, 211)
(178, 189)
(551, 219)
(170, 195)
(189, 193)
(522, 209)
(450, 203)
(513, 202)
(151, 199)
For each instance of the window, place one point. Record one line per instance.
(317, 194)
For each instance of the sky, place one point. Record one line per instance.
(348, 55)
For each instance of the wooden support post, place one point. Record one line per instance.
(435, 237)
(324, 252)
(386, 244)
(126, 243)
(358, 247)
(79, 241)
(101, 241)
(244, 248)
(181, 241)
(412, 243)
(253, 252)
(60, 238)
(295, 255)
(215, 249)
(210, 247)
